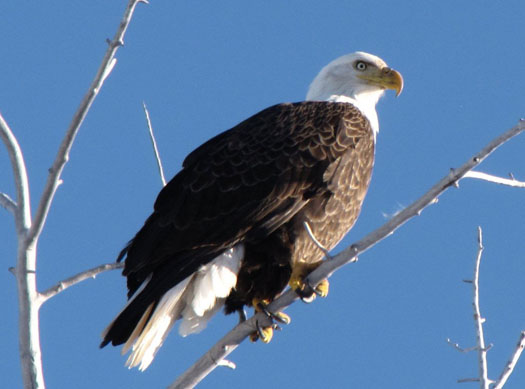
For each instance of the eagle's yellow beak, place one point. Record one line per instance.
(385, 78)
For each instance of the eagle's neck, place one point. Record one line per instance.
(363, 98)
(366, 104)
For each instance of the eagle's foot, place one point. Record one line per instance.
(266, 333)
(322, 288)
(307, 292)
(263, 333)
(262, 306)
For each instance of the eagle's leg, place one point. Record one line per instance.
(266, 333)
(306, 291)
(301, 270)
(242, 315)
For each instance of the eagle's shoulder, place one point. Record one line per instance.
(286, 125)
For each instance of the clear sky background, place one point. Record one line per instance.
(202, 67)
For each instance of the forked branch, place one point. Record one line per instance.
(485, 382)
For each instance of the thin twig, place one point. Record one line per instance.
(495, 179)
(231, 340)
(228, 364)
(108, 62)
(509, 367)
(154, 143)
(479, 320)
(463, 380)
(64, 284)
(461, 349)
(8, 203)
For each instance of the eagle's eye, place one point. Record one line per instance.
(360, 65)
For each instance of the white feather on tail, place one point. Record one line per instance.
(167, 311)
(212, 284)
(195, 300)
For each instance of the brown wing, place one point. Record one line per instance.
(242, 184)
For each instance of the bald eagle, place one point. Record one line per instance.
(254, 209)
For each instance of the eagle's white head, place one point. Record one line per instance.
(358, 78)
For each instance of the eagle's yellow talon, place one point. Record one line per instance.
(265, 334)
(302, 288)
(322, 288)
(282, 317)
(260, 306)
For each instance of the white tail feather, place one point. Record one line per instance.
(196, 299)
(212, 285)
(193, 324)
(215, 279)
(160, 322)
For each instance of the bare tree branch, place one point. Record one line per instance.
(495, 179)
(509, 367)
(64, 284)
(53, 179)
(210, 360)
(28, 323)
(479, 320)
(154, 143)
(8, 203)
(23, 208)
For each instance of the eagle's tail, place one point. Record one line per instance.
(144, 323)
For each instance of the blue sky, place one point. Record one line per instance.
(202, 67)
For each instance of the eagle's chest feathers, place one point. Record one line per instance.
(331, 216)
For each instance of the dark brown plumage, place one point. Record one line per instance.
(254, 184)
